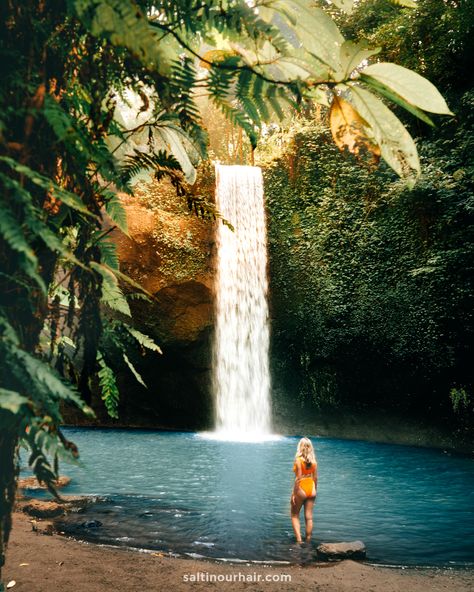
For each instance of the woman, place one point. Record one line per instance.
(304, 490)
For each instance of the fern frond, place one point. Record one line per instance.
(144, 340)
(12, 233)
(44, 386)
(67, 197)
(116, 211)
(182, 80)
(108, 385)
(108, 253)
(128, 280)
(204, 209)
(112, 295)
(239, 118)
(161, 163)
(134, 370)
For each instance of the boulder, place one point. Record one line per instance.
(42, 509)
(338, 551)
(33, 483)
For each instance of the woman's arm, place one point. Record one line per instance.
(315, 478)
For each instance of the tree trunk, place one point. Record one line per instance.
(8, 482)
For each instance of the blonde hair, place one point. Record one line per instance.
(306, 451)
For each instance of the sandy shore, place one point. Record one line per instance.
(40, 563)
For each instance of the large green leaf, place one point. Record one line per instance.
(392, 96)
(311, 28)
(396, 145)
(410, 86)
(352, 55)
(179, 144)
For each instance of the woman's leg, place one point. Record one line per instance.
(295, 514)
(308, 517)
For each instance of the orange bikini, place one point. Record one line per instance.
(306, 483)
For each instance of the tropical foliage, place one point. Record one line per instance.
(371, 280)
(96, 92)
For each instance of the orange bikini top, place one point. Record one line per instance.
(304, 469)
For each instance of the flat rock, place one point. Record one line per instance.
(42, 509)
(338, 551)
(76, 504)
(33, 483)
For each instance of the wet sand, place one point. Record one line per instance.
(58, 564)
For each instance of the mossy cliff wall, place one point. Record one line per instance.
(169, 251)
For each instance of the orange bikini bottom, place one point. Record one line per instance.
(307, 485)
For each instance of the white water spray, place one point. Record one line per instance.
(241, 359)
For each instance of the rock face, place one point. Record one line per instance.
(338, 551)
(169, 251)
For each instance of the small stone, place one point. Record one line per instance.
(338, 551)
(91, 524)
(46, 528)
(42, 509)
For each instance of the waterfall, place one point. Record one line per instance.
(241, 375)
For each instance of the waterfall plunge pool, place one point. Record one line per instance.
(188, 494)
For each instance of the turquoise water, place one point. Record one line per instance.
(184, 493)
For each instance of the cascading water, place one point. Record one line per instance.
(241, 364)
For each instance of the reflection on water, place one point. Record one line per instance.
(184, 493)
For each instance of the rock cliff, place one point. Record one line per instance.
(169, 251)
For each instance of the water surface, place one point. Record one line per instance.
(183, 493)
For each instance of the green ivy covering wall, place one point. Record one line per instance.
(371, 282)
